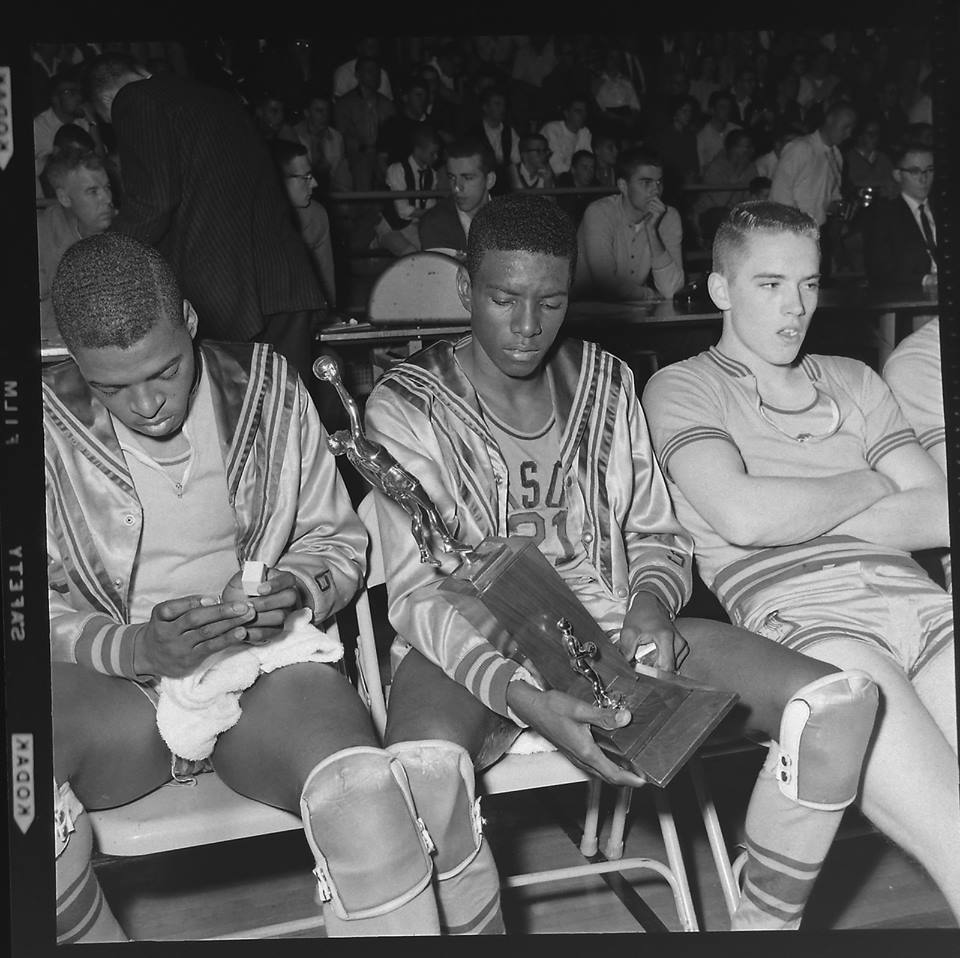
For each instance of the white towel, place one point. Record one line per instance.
(192, 711)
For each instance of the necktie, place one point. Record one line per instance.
(421, 202)
(927, 230)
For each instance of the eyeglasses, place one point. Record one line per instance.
(822, 417)
(916, 170)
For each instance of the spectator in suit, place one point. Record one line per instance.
(471, 172)
(567, 135)
(497, 130)
(744, 92)
(215, 211)
(359, 116)
(901, 234)
(631, 239)
(533, 172)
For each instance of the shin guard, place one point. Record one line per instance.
(371, 850)
(468, 886)
(82, 912)
(807, 781)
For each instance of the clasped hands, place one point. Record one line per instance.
(184, 631)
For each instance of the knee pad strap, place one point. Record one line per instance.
(66, 810)
(371, 850)
(824, 732)
(442, 779)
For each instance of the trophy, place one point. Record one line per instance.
(538, 621)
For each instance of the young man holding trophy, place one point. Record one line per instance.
(512, 433)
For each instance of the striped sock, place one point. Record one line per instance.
(83, 914)
(470, 900)
(786, 845)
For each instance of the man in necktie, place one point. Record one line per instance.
(901, 234)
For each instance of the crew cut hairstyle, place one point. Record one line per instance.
(521, 222)
(65, 161)
(757, 216)
(111, 290)
(628, 161)
(473, 146)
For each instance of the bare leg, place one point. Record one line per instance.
(936, 687)
(305, 742)
(108, 755)
(910, 778)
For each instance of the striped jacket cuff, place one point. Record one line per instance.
(107, 646)
(669, 589)
(486, 674)
(319, 584)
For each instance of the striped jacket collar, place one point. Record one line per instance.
(737, 370)
(572, 366)
(75, 411)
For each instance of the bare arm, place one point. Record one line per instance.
(913, 516)
(752, 511)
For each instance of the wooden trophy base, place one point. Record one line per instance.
(513, 582)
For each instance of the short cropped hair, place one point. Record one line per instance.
(521, 222)
(72, 136)
(757, 216)
(629, 160)
(65, 161)
(111, 290)
(286, 151)
(900, 153)
(473, 146)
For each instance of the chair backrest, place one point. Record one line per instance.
(418, 288)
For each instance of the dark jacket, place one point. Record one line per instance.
(894, 249)
(440, 227)
(200, 186)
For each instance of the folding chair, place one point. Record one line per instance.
(517, 772)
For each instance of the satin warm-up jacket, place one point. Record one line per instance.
(291, 507)
(425, 412)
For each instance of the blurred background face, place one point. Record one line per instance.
(317, 114)
(869, 137)
(721, 111)
(468, 182)
(495, 109)
(535, 154)
(683, 117)
(68, 99)
(915, 175)
(417, 98)
(606, 152)
(583, 171)
(299, 181)
(271, 114)
(575, 115)
(839, 126)
(86, 193)
(741, 151)
(645, 183)
(368, 75)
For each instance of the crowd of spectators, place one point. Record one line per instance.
(376, 114)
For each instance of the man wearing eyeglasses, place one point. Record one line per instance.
(805, 491)
(901, 234)
(632, 239)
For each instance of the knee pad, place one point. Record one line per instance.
(824, 732)
(66, 814)
(441, 777)
(371, 850)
